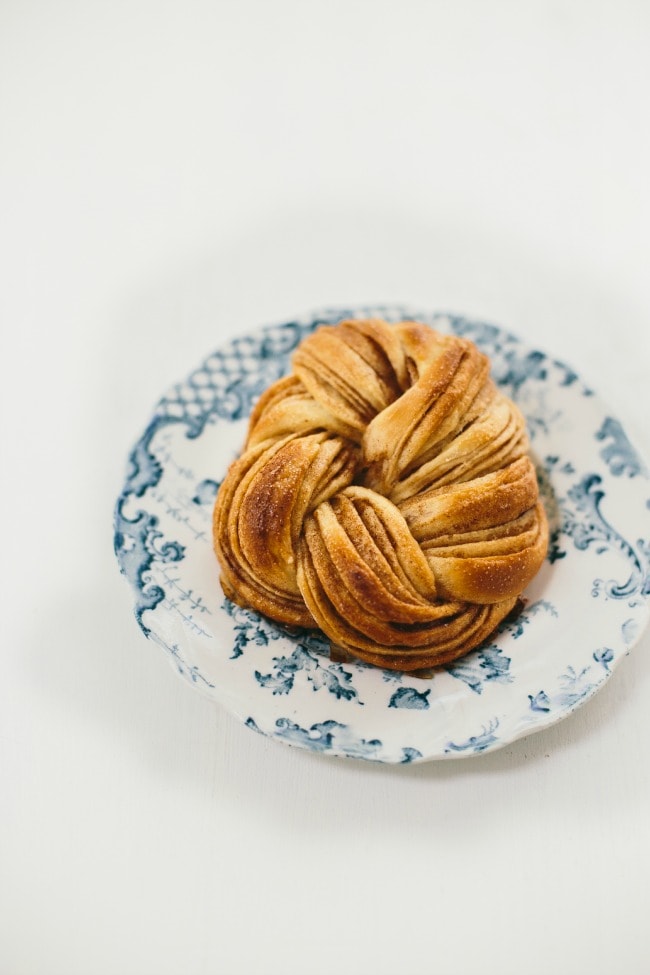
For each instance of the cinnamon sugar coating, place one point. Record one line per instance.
(384, 495)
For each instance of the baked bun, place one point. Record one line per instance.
(384, 495)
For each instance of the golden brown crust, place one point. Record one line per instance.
(384, 495)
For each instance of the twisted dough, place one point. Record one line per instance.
(384, 495)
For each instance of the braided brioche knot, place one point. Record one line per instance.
(384, 495)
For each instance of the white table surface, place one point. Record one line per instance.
(173, 174)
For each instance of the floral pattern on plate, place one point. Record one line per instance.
(584, 611)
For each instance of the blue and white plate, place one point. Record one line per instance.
(585, 609)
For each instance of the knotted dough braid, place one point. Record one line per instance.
(384, 495)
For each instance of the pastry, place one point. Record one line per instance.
(385, 496)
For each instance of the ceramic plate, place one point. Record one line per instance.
(584, 610)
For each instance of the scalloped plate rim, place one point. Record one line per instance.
(393, 310)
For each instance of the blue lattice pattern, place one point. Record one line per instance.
(231, 378)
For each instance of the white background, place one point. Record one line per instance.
(175, 173)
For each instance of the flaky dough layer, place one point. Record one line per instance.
(384, 495)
